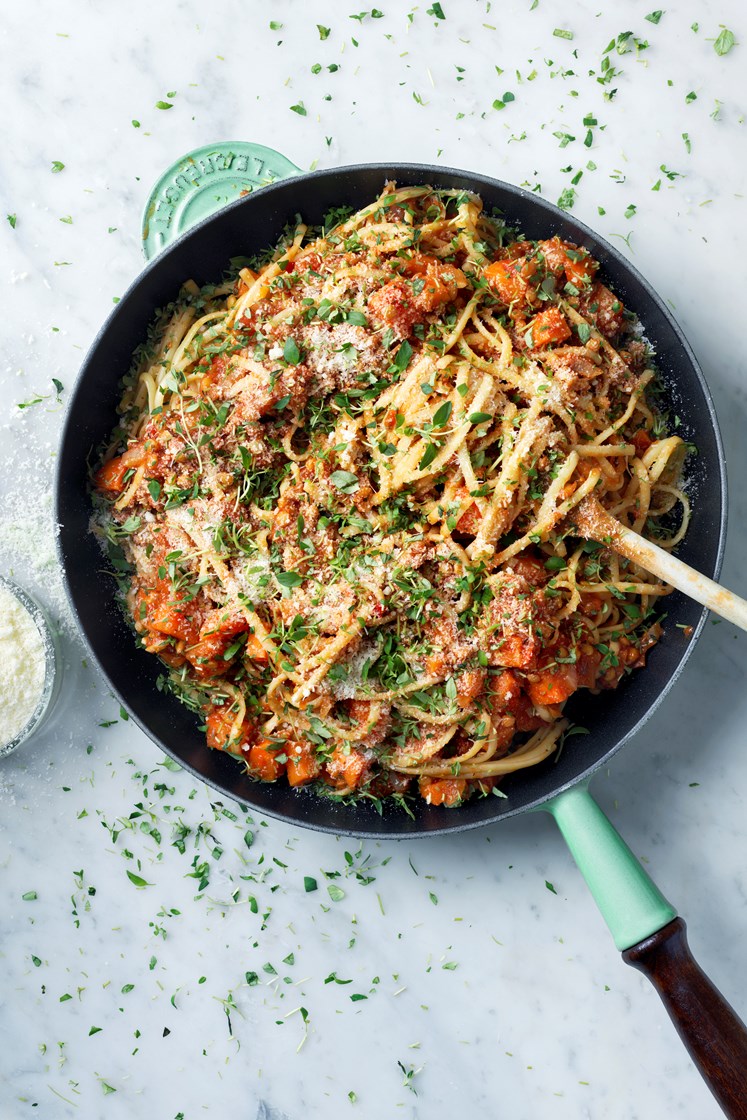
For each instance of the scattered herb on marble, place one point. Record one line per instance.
(725, 41)
(137, 880)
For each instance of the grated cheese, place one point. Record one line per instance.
(22, 666)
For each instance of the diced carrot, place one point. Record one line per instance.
(580, 272)
(110, 476)
(442, 791)
(399, 304)
(563, 256)
(308, 262)
(359, 711)
(553, 686)
(642, 441)
(554, 254)
(302, 763)
(216, 635)
(604, 309)
(506, 280)
(168, 613)
(469, 522)
(206, 656)
(505, 692)
(220, 721)
(255, 651)
(470, 684)
(175, 619)
(511, 708)
(436, 664)
(517, 651)
(549, 326)
(263, 763)
(442, 280)
(346, 769)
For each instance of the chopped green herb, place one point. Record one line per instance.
(291, 353)
(137, 880)
(289, 579)
(345, 481)
(442, 414)
(724, 42)
(402, 357)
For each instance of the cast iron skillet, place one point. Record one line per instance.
(643, 923)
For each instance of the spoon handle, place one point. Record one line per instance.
(596, 524)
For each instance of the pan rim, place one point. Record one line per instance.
(558, 216)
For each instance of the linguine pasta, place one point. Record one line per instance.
(342, 490)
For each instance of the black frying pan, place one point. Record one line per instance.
(643, 923)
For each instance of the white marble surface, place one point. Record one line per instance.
(538, 1018)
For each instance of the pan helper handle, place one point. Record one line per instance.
(652, 938)
(204, 181)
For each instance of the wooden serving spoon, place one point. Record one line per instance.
(594, 523)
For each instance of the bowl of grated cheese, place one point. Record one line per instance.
(29, 666)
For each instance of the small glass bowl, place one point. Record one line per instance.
(52, 666)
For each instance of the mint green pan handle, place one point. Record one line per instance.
(631, 904)
(652, 938)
